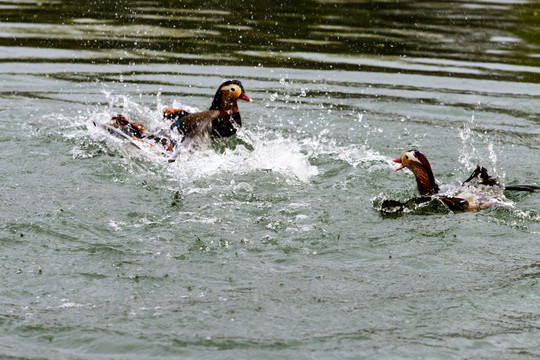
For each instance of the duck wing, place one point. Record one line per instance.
(481, 176)
(198, 124)
(194, 126)
(174, 114)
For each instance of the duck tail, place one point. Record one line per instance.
(529, 188)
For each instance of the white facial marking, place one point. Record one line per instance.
(409, 155)
(230, 88)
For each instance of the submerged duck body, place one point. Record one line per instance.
(479, 191)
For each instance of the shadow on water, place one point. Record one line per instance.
(282, 33)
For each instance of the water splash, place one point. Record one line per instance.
(257, 149)
(470, 156)
(281, 156)
(468, 151)
(355, 155)
(493, 159)
(152, 118)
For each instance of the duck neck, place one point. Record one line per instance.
(424, 179)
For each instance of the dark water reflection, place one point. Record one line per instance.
(285, 33)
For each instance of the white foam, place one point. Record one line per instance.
(354, 154)
(271, 152)
(267, 150)
(280, 155)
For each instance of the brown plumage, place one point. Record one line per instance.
(473, 195)
(220, 121)
(419, 165)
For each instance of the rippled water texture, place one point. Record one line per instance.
(272, 245)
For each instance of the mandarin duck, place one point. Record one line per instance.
(479, 191)
(222, 119)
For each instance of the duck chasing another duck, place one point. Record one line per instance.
(476, 193)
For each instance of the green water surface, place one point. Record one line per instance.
(277, 249)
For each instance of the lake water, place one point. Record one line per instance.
(275, 249)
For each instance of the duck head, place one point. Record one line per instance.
(417, 162)
(227, 94)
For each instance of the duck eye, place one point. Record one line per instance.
(407, 157)
(233, 89)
